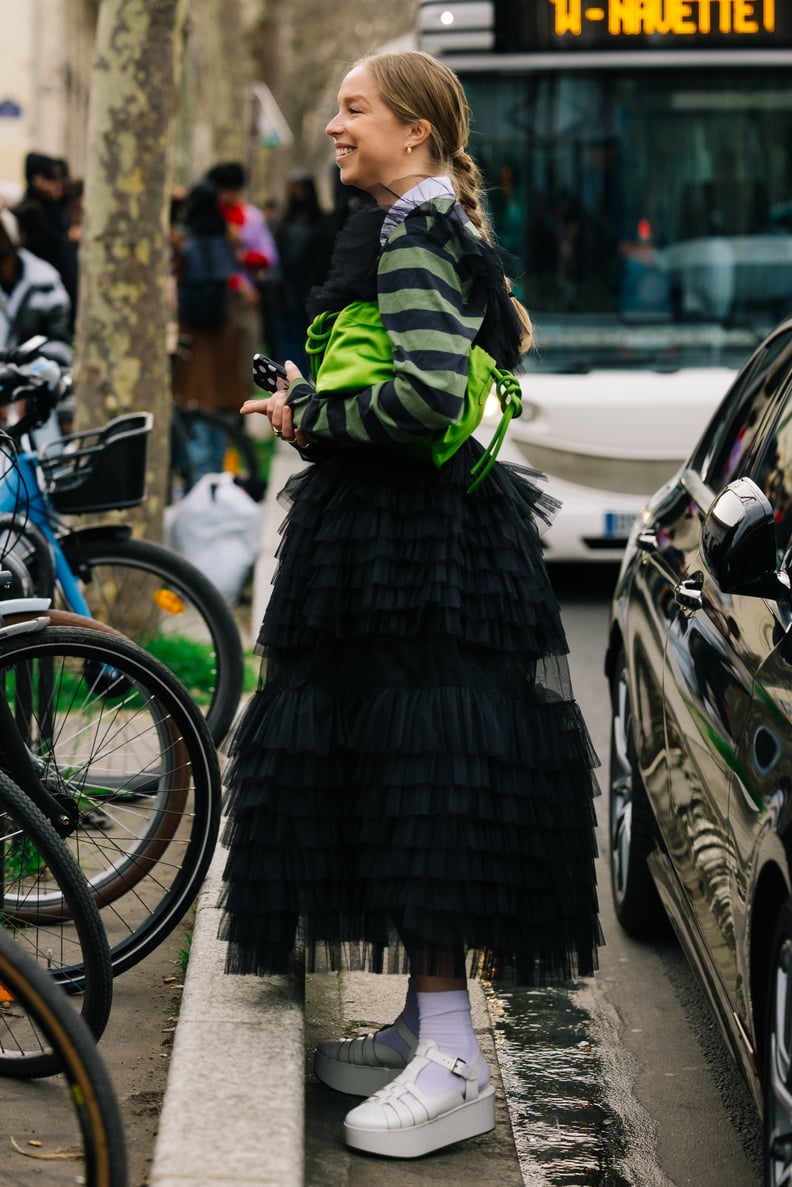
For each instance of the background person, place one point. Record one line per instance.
(413, 776)
(257, 259)
(44, 218)
(206, 367)
(33, 299)
(304, 256)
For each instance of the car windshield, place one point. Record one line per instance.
(645, 214)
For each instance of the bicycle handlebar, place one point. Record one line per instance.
(39, 381)
(26, 351)
(16, 383)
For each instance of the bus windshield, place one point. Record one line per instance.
(645, 215)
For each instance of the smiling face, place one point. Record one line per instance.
(371, 143)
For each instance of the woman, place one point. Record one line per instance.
(413, 775)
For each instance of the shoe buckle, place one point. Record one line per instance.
(467, 1071)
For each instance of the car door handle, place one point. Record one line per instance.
(688, 594)
(646, 541)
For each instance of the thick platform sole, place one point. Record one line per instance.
(351, 1078)
(470, 1120)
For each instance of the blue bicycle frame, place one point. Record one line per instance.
(21, 487)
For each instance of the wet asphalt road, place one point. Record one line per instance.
(623, 1081)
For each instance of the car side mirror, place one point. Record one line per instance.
(738, 542)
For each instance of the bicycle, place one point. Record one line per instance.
(36, 1019)
(192, 425)
(239, 453)
(103, 739)
(35, 867)
(170, 607)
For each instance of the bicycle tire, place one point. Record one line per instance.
(118, 735)
(32, 552)
(40, 1006)
(34, 861)
(167, 604)
(21, 582)
(151, 844)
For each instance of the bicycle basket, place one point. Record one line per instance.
(100, 469)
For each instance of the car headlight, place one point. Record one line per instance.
(493, 410)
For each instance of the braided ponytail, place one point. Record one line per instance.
(468, 184)
(417, 86)
(467, 180)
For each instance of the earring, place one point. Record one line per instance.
(409, 148)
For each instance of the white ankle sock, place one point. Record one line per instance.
(390, 1036)
(445, 1018)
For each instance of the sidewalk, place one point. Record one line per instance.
(241, 1103)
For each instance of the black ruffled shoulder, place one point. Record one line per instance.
(352, 275)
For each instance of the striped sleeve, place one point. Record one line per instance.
(425, 306)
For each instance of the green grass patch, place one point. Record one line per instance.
(22, 860)
(183, 954)
(89, 688)
(250, 680)
(191, 662)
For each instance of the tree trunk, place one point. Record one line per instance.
(121, 347)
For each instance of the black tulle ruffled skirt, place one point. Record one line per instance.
(413, 763)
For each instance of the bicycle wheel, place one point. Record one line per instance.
(34, 1014)
(113, 731)
(37, 868)
(167, 606)
(239, 453)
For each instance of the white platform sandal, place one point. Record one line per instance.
(362, 1066)
(401, 1121)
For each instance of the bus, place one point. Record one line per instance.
(638, 162)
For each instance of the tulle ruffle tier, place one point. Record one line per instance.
(413, 762)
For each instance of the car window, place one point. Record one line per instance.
(728, 442)
(772, 471)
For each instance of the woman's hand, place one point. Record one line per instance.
(277, 411)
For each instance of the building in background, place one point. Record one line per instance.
(44, 82)
(235, 52)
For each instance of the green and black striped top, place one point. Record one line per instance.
(432, 305)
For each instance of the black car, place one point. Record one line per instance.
(700, 667)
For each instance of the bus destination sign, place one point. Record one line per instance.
(641, 24)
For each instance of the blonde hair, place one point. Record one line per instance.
(416, 86)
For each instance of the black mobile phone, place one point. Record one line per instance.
(266, 373)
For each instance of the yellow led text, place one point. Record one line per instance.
(680, 17)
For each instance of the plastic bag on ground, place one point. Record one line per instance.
(217, 526)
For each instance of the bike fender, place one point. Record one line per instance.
(100, 531)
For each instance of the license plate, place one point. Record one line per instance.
(618, 524)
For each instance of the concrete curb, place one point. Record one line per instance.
(234, 1098)
(234, 1106)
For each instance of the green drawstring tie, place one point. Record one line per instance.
(319, 332)
(507, 389)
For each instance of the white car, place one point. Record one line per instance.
(606, 440)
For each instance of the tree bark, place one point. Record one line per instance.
(121, 346)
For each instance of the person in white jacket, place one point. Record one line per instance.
(33, 299)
